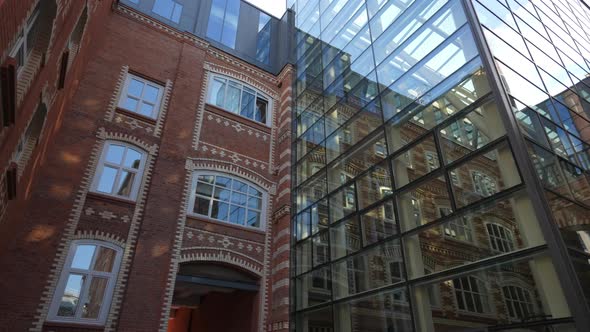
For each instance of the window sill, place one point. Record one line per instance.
(136, 116)
(77, 325)
(226, 224)
(111, 199)
(236, 117)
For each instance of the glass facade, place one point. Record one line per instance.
(412, 208)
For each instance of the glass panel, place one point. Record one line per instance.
(125, 183)
(238, 198)
(319, 320)
(150, 93)
(239, 186)
(91, 309)
(321, 250)
(201, 206)
(237, 215)
(313, 288)
(115, 154)
(342, 203)
(83, 257)
(217, 92)
(345, 238)
(221, 181)
(107, 179)
(378, 223)
(374, 185)
(71, 296)
(146, 109)
(230, 24)
(105, 258)
(419, 160)
(354, 274)
(204, 189)
(485, 175)
(135, 88)
(478, 294)
(303, 256)
(219, 210)
(261, 106)
(426, 197)
(132, 158)
(232, 102)
(383, 312)
(248, 97)
(130, 104)
(253, 219)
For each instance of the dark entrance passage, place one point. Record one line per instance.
(213, 298)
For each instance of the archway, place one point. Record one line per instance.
(211, 297)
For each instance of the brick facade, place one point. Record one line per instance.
(55, 204)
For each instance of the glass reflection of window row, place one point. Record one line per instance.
(482, 242)
(484, 87)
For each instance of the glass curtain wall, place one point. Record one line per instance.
(542, 52)
(410, 212)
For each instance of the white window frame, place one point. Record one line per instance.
(124, 94)
(193, 195)
(483, 294)
(22, 41)
(172, 17)
(139, 172)
(269, 101)
(108, 294)
(506, 243)
(510, 302)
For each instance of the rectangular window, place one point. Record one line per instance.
(223, 22)
(168, 9)
(141, 96)
(263, 38)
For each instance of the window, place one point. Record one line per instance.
(239, 98)
(416, 212)
(120, 170)
(85, 288)
(483, 184)
(168, 9)
(500, 238)
(223, 22)
(26, 40)
(263, 38)
(141, 96)
(431, 160)
(519, 302)
(455, 178)
(227, 199)
(459, 229)
(471, 294)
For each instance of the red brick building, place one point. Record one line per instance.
(130, 201)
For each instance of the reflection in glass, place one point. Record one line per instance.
(96, 291)
(71, 296)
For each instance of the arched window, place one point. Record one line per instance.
(236, 97)
(471, 294)
(519, 302)
(226, 198)
(120, 170)
(501, 239)
(85, 288)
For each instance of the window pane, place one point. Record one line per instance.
(150, 93)
(238, 198)
(254, 192)
(419, 160)
(135, 87)
(253, 219)
(423, 198)
(146, 109)
(105, 258)
(217, 96)
(107, 179)
(222, 181)
(378, 223)
(201, 206)
(239, 186)
(261, 106)
(130, 104)
(204, 189)
(345, 238)
(233, 98)
(230, 25)
(215, 24)
(219, 210)
(71, 296)
(247, 104)
(176, 13)
(132, 158)
(91, 308)
(125, 183)
(222, 194)
(254, 203)
(83, 257)
(115, 153)
(237, 215)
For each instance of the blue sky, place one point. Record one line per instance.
(274, 7)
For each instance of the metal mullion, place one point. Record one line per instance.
(557, 250)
